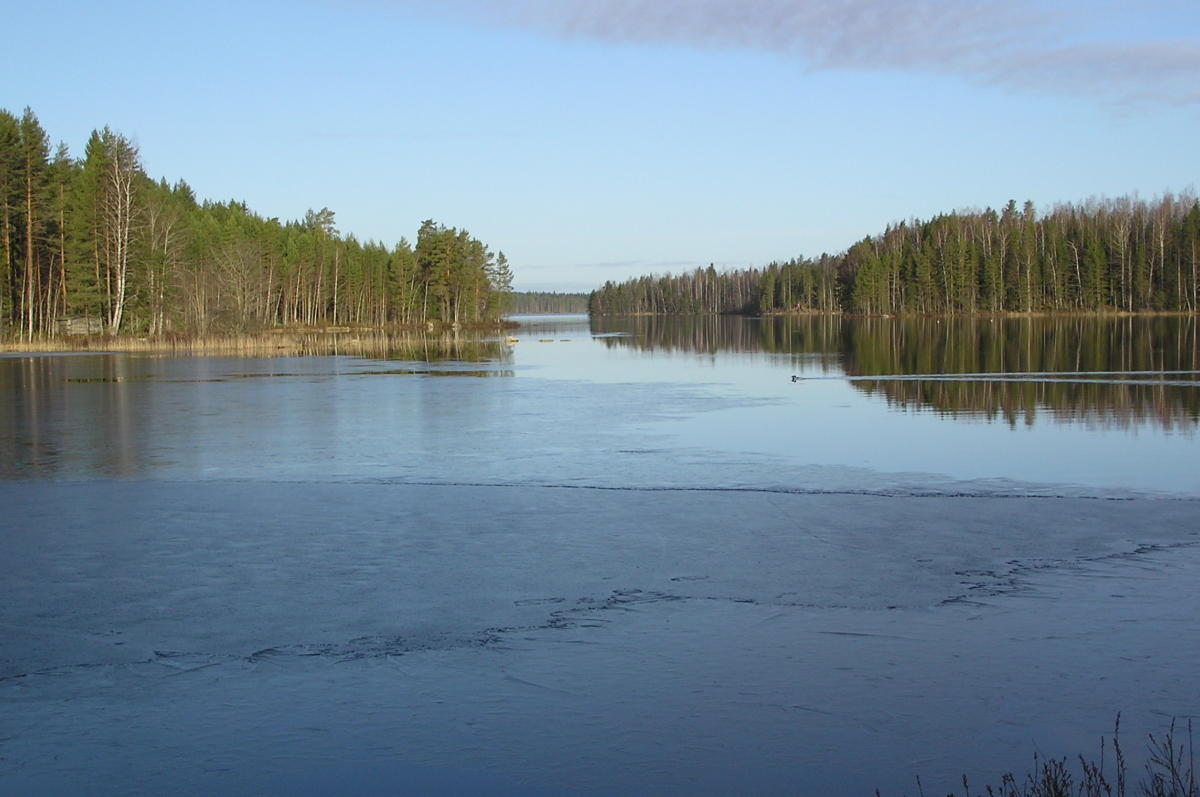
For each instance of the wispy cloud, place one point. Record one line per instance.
(1127, 74)
(1020, 44)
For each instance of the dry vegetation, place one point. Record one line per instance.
(276, 343)
(1170, 772)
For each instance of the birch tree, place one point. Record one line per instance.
(122, 170)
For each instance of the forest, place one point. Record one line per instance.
(539, 302)
(93, 245)
(1103, 255)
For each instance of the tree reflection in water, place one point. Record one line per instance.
(1105, 370)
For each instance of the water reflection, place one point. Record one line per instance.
(128, 414)
(35, 431)
(1113, 371)
(550, 326)
(631, 401)
(811, 339)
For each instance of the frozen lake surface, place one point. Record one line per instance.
(611, 559)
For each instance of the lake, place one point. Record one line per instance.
(618, 555)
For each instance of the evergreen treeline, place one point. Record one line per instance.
(534, 302)
(1120, 254)
(96, 241)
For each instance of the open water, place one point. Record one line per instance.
(656, 556)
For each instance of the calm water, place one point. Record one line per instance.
(1067, 407)
(619, 556)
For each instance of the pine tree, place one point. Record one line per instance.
(10, 202)
(61, 176)
(35, 155)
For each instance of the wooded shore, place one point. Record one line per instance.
(93, 244)
(1102, 255)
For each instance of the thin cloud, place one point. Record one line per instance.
(1136, 73)
(1018, 44)
(841, 33)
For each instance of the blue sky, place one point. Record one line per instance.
(601, 139)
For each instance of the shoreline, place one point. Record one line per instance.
(285, 340)
(1003, 314)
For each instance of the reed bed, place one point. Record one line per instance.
(474, 345)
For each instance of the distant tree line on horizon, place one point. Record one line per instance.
(95, 243)
(1120, 254)
(534, 302)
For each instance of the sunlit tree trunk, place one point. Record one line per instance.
(119, 210)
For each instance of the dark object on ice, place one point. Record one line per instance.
(796, 378)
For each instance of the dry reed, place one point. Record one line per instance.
(1170, 772)
(280, 343)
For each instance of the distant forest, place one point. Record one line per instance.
(543, 302)
(1102, 255)
(92, 244)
